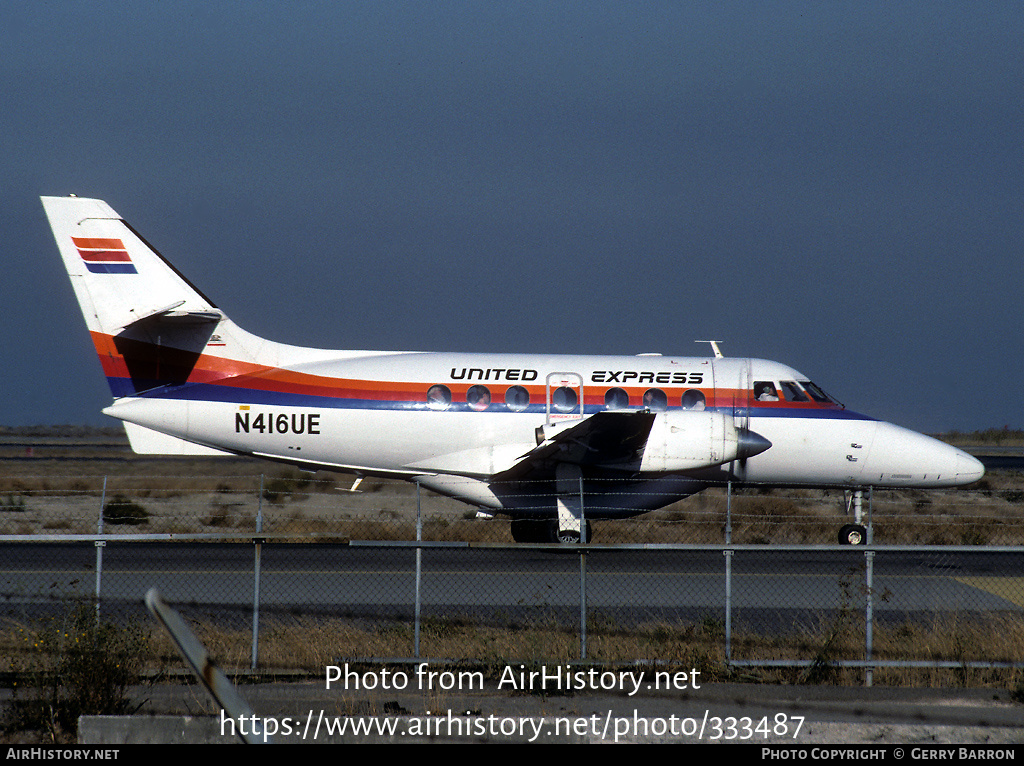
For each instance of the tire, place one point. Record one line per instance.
(529, 531)
(853, 534)
(544, 531)
(568, 538)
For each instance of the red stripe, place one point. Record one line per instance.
(105, 255)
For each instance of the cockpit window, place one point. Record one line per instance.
(793, 392)
(816, 393)
(764, 391)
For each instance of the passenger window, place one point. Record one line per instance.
(517, 398)
(616, 399)
(478, 398)
(793, 392)
(694, 400)
(655, 400)
(564, 399)
(439, 397)
(764, 391)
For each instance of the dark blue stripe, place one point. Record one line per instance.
(111, 268)
(216, 393)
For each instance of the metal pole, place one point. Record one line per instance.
(870, 575)
(583, 578)
(419, 571)
(728, 513)
(869, 616)
(256, 581)
(583, 515)
(728, 573)
(728, 606)
(100, 544)
(871, 530)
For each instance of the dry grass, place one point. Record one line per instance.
(992, 513)
(989, 437)
(307, 645)
(188, 495)
(59, 490)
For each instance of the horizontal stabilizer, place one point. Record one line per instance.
(172, 316)
(146, 441)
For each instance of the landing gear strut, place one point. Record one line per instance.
(857, 533)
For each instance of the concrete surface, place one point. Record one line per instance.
(180, 713)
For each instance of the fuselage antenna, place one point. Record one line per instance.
(714, 347)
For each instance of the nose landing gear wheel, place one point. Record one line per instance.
(853, 534)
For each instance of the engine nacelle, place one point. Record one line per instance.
(686, 441)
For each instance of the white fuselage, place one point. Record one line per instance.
(457, 419)
(514, 433)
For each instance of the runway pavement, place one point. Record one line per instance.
(714, 713)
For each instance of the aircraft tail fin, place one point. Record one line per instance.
(150, 325)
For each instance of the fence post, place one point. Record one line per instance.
(100, 544)
(419, 572)
(871, 521)
(728, 513)
(728, 573)
(869, 614)
(728, 606)
(256, 581)
(583, 578)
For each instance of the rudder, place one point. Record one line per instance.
(149, 324)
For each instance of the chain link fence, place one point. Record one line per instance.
(293, 571)
(296, 503)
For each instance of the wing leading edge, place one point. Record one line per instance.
(609, 439)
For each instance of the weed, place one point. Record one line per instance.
(12, 504)
(121, 510)
(70, 666)
(823, 668)
(1017, 690)
(286, 486)
(220, 515)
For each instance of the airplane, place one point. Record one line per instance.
(551, 441)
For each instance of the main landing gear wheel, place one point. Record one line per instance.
(853, 534)
(543, 531)
(569, 536)
(528, 531)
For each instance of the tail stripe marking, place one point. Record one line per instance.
(104, 256)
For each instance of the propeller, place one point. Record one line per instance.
(750, 443)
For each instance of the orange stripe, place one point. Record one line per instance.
(230, 372)
(98, 243)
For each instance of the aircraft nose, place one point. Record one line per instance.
(900, 457)
(968, 468)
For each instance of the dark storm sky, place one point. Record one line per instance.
(836, 186)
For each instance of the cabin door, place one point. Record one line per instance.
(564, 397)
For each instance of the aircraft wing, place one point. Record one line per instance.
(613, 439)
